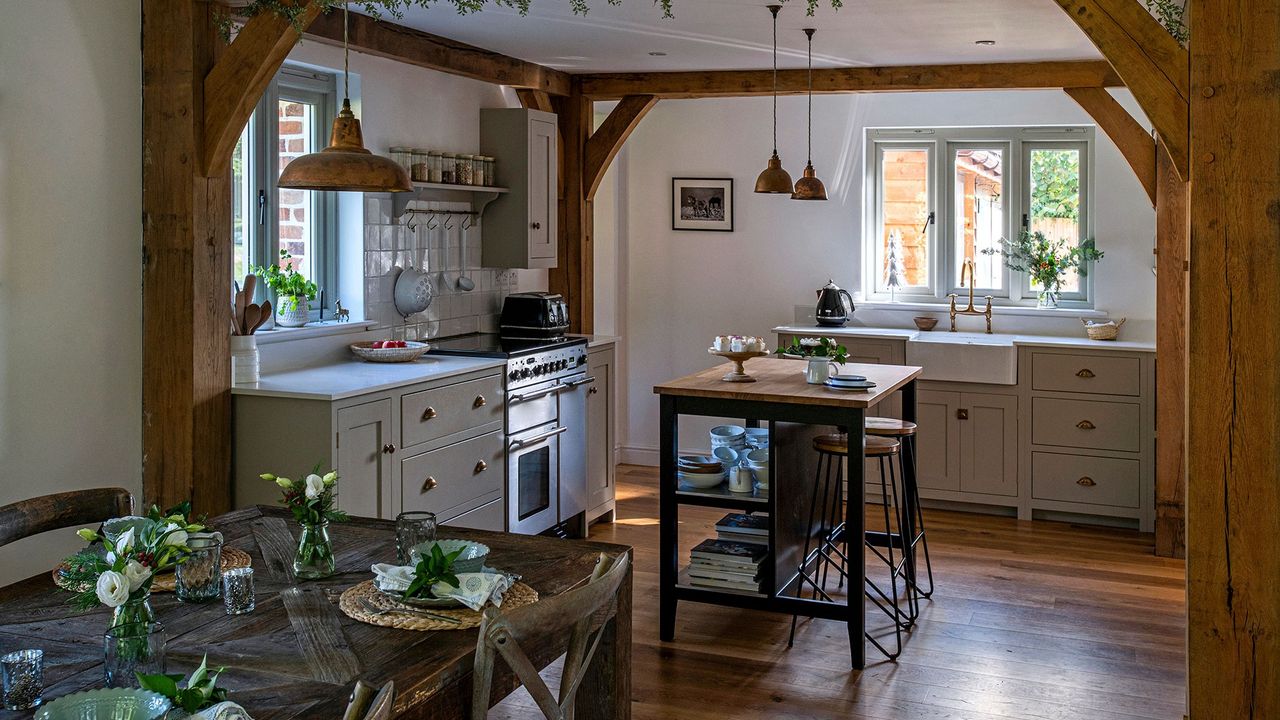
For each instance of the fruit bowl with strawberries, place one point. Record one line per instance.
(389, 351)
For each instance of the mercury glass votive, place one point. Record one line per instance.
(237, 591)
(23, 676)
(198, 579)
(413, 528)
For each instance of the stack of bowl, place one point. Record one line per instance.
(733, 436)
(758, 462)
(757, 438)
(701, 471)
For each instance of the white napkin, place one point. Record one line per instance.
(474, 591)
(222, 711)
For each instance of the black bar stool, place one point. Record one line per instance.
(825, 508)
(913, 516)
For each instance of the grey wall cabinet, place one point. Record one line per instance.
(519, 227)
(600, 434)
(387, 452)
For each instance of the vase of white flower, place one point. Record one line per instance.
(312, 501)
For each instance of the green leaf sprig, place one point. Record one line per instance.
(200, 691)
(431, 569)
(809, 348)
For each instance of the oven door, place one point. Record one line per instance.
(533, 406)
(533, 471)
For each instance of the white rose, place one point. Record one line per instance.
(810, 342)
(176, 535)
(125, 541)
(330, 477)
(135, 572)
(315, 486)
(112, 589)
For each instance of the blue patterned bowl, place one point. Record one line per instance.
(471, 559)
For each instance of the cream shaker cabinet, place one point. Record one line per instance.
(600, 434)
(519, 227)
(387, 460)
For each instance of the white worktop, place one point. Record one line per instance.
(349, 378)
(1018, 339)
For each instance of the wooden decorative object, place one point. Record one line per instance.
(739, 374)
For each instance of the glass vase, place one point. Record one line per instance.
(131, 648)
(314, 559)
(1048, 298)
(136, 610)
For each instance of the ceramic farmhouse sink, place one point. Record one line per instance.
(965, 357)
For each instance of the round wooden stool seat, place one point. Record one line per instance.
(839, 445)
(889, 427)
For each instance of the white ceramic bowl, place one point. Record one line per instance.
(758, 456)
(471, 559)
(762, 476)
(106, 704)
(727, 455)
(728, 433)
(701, 480)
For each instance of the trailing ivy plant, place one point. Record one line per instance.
(292, 9)
(1172, 15)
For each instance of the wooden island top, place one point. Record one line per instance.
(780, 380)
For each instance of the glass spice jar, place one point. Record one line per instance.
(477, 171)
(448, 173)
(491, 170)
(433, 166)
(419, 172)
(467, 170)
(403, 156)
(458, 161)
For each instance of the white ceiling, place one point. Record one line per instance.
(735, 34)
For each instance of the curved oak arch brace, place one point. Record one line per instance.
(607, 140)
(1135, 143)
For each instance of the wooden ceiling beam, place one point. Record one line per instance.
(397, 42)
(1152, 64)
(607, 140)
(1134, 141)
(741, 83)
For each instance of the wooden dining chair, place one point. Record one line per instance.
(51, 512)
(503, 634)
(369, 703)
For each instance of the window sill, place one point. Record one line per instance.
(1029, 310)
(313, 330)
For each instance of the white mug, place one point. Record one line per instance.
(740, 479)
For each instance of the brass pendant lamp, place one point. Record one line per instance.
(810, 187)
(774, 179)
(345, 164)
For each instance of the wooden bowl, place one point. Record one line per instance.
(925, 323)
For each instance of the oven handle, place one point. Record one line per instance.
(534, 396)
(526, 442)
(578, 383)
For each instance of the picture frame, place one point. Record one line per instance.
(702, 204)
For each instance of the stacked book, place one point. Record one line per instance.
(738, 527)
(725, 564)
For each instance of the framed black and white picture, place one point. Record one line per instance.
(702, 204)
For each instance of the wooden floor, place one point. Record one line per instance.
(1030, 620)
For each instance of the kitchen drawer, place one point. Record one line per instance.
(1086, 424)
(1085, 479)
(1102, 374)
(489, 516)
(454, 475)
(441, 412)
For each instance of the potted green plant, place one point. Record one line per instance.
(293, 291)
(1047, 261)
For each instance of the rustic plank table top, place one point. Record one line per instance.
(297, 655)
(781, 380)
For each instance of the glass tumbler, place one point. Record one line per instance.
(199, 579)
(413, 528)
(133, 648)
(237, 591)
(23, 675)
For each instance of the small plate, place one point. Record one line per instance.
(418, 602)
(851, 387)
(847, 378)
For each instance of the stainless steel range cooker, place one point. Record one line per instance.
(546, 427)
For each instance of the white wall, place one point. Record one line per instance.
(683, 288)
(70, 257)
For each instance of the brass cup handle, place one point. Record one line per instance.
(479, 402)
(429, 484)
(389, 448)
(481, 466)
(536, 226)
(1086, 481)
(962, 414)
(429, 414)
(593, 390)
(1085, 373)
(1086, 425)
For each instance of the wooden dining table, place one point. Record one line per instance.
(297, 655)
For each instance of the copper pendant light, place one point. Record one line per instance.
(810, 187)
(774, 179)
(345, 164)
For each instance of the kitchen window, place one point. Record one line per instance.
(291, 120)
(940, 196)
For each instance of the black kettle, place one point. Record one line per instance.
(834, 305)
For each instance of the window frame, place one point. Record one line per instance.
(942, 142)
(316, 88)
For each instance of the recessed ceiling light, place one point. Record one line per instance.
(658, 53)
(984, 42)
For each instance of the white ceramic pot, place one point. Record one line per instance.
(244, 359)
(292, 314)
(818, 371)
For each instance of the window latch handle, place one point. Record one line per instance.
(262, 207)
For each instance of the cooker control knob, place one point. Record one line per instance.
(524, 374)
(515, 375)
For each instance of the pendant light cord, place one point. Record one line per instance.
(774, 9)
(809, 32)
(346, 51)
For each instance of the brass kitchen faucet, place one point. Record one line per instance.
(970, 267)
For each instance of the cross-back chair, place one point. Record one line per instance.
(369, 703)
(503, 634)
(60, 510)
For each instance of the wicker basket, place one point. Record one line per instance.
(411, 352)
(1103, 330)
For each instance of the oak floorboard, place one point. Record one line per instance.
(1031, 620)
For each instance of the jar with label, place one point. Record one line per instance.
(477, 170)
(447, 169)
(433, 166)
(491, 170)
(419, 172)
(404, 157)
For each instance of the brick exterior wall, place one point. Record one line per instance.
(294, 204)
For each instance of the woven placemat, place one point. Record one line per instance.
(354, 599)
(231, 559)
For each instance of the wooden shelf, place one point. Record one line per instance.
(719, 496)
(479, 196)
